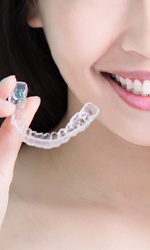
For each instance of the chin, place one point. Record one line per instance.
(140, 140)
(137, 137)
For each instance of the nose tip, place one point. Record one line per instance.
(137, 42)
(136, 38)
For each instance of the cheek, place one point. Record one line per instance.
(79, 35)
(80, 32)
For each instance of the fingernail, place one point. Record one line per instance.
(6, 78)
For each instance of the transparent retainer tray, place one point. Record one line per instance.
(78, 123)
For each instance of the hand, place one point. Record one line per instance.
(9, 141)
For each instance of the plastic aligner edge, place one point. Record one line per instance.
(78, 123)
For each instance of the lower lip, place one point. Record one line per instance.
(136, 101)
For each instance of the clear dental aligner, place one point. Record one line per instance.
(78, 123)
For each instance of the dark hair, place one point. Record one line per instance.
(25, 53)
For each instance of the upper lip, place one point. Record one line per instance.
(139, 75)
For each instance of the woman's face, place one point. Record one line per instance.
(89, 37)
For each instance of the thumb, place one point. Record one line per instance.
(9, 141)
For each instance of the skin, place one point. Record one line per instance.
(83, 39)
(100, 178)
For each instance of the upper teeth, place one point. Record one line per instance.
(135, 86)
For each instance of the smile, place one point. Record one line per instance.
(134, 92)
(134, 86)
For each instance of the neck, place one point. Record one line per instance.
(105, 166)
